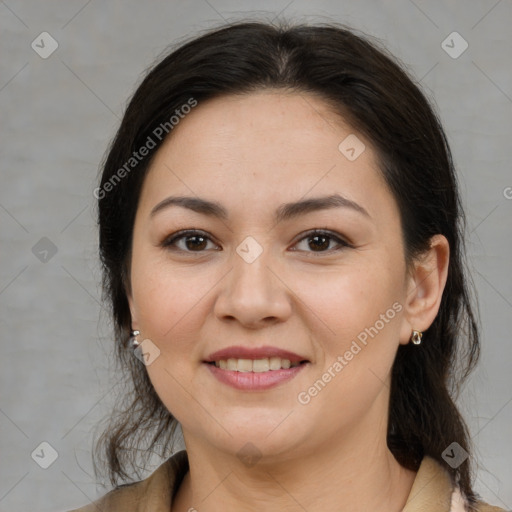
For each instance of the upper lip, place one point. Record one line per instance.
(239, 352)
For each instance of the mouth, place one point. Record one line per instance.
(255, 369)
(266, 364)
(255, 359)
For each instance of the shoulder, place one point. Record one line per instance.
(153, 493)
(481, 506)
(434, 485)
(461, 504)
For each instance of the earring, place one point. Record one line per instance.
(133, 342)
(416, 337)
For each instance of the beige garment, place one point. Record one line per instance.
(432, 491)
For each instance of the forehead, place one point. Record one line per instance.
(261, 122)
(268, 146)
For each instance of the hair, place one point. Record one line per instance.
(373, 93)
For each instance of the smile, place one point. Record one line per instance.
(255, 365)
(255, 375)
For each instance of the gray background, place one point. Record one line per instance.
(58, 115)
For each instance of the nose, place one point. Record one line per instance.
(253, 294)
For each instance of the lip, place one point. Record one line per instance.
(254, 381)
(239, 352)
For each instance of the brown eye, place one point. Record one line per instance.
(196, 242)
(321, 242)
(188, 241)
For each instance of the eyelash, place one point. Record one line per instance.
(169, 242)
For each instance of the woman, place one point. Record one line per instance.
(282, 242)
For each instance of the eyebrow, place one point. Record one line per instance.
(284, 212)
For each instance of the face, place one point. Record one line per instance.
(252, 276)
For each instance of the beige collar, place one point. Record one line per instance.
(431, 490)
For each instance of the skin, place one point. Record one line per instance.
(252, 153)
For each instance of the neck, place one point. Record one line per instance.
(356, 473)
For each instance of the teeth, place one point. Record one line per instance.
(244, 365)
(260, 365)
(275, 363)
(256, 365)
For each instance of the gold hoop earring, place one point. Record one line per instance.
(416, 337)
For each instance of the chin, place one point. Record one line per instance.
(265, 439)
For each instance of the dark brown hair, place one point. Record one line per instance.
(364, 84)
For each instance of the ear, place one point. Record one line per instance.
(133, 314)
(131, 302)
(425, 285)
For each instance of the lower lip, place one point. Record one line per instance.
(254, 381)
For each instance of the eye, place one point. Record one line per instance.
(189, 240)
(317, 241)
(322, 241)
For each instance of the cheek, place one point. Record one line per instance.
(171, 305)
(362, 312)
(171, 308)
(350, 299)
(161, 294)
